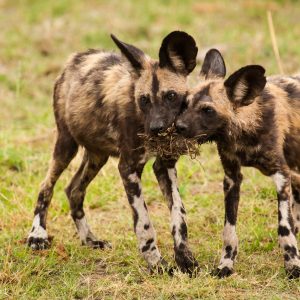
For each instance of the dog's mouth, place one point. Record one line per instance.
(203, 138)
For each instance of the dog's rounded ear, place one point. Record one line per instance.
(244, 85)
(213, 65)
(178, 52)
(135, 56)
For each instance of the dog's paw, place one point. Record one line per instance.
(293, 272)
(37, 243)
(221, 273)
(186, 261)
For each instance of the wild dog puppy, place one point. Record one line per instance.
(102, 101)
(255, 122)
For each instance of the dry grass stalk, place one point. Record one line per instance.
(274, 42)
(170, 144)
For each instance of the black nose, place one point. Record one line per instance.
(181, 127)
(156, 127)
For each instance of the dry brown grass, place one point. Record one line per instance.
(169, 144)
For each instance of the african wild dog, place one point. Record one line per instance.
(102, 101)
(255, 122)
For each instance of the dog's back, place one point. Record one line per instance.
(286, 93)
(90, 95)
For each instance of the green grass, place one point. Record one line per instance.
(36, 37)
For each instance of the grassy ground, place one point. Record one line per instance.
(35, 39)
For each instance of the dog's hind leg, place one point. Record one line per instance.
(89, 168)
(64, 151)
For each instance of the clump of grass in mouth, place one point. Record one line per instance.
(169, 144)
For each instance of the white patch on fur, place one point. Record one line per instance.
(134, 178)
(284, 210)
(225, 262)
(143, 235)
(39, 231)
(293, 262)
(279, 181)
(176, 215)
(82, 228)
(229, 239)
(229, 235)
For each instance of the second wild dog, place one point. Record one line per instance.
(255, 122)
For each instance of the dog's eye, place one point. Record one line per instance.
(171, 95)
(208, 110)
(144, 100)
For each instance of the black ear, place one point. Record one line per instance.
(178, 52)
(245, 85)
(134, 55)
(213, 65)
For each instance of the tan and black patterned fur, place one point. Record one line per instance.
(102, 101)
(255, 122)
